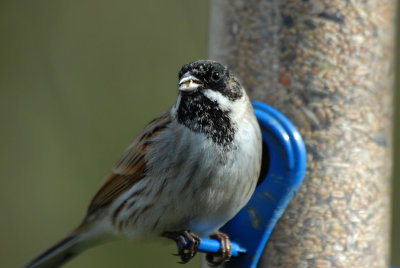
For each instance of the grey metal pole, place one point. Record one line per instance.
(328, 66)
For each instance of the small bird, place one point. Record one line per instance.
(188, 172)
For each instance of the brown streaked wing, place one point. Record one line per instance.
(131, 167)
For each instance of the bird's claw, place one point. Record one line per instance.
(224, 253)
(186, 250)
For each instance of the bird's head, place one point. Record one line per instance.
(205, 75)
(209, 94)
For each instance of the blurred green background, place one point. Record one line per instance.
(78, 81)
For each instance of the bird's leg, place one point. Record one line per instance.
(185, 251)
(224, 253)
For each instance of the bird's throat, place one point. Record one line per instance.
(200, 114)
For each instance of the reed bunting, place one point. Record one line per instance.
(188, 172)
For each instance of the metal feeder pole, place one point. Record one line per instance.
(328, 66)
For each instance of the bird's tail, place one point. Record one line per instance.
(70, 246)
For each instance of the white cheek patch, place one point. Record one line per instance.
(224, 103)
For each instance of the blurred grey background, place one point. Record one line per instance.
(78, 81)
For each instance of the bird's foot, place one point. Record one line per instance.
(186, 250)
(224, 253)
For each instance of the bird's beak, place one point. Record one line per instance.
(188, 83)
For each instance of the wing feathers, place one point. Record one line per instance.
(131, 167)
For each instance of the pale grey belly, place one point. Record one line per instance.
(190, 187)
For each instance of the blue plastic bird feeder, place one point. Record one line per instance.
(283, 167)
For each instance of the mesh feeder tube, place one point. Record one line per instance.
(328, 66)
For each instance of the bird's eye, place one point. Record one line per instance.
(215, 76)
